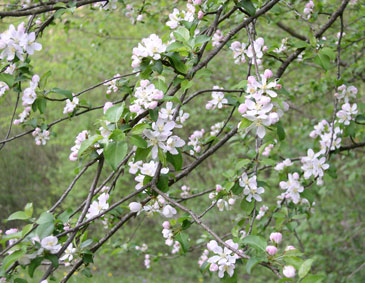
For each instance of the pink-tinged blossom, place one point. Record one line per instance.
(308, 10)
(258, 46)
(177, 16)
(23, 116)
(293, 187)
(250, 188)
(146, 97)
(151, 47)
(112, 85)
(312, 166)
(107, 105)
(10, 69)
(267, 150)
(185, 191)
(195, 140)
(289, 271)
(239, 50)
(168, 211)
(290, 248)
(70, 105)
(281, 165)
(217, 38)
(345, 93)
(271, 250)
(3, 88)
(276, 237)
(224, 257)
(40, 136)
(347, 113)
(218, 99)
(29, 94)
(82, 136)
(68, 254)
(262, 212)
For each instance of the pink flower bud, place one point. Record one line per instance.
(218, 188)
(166, 225)
(144, 83)
(265, 48)
(236, 45)
(213, 267)
(16, 122)
(200, 15)
(278, 86)
(271, 250)
(135, 206)
(197, 2)
(290, 248)
(251, 79)
(158, 95)
(242, 108)
(276, 237)
(107, 105)
(268, 73)
(289, 271)
(260, 41)
(134, 108)
(208, 106)
(231, 201)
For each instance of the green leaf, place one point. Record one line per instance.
(141, 154)
(86, 243)
(27, 228)
(53, 259)
(7, 78)
(256, 242)
(45, 217)
(63, 92)
(138, 141)
(154, 114)
(65, 216)
(305, 268)
(182, 34)
(201, 39)
(114, 113)
(313, 279)
(138, 129)
(280, 131)
(248, 6)
(242, 163)
(177, 63)
(117, 135)
(44, 230)
(44, 79)
(176, 46)
(115, 152)
(33, 265)
(28, 209)
(171, 98)
(329, 52)
(175, 159)
(245, 124)
(20, 280)
(183, 239)
(251, 263)
(87, 143)
(19, 215)
(10, 259)
(360, 119)
(163, 183)
(186, 85)
(247, 206)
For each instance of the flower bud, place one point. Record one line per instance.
(290, 248)
(268, 73)
(276, 237)
(231, 201)
(289, 271)
(251, 79)
(218, 188)
(135, 206)
(242, 108)
(213, 267)
(197, 2)
(166, 225)
(271, 250)
(200, 15)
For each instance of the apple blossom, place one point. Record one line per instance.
(29, 94)
(82, 136)
(70, 105)
(150, 47)
(218, 99)
(41, 136)
(347, 113)
(262, 212)
(98, 206)
(50, 244)
(112, 85)
(168, 211)
(3, 88)
(69, 253)
(217, 37)
(290, 248)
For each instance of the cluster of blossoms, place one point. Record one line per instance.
(262, 212)
(17, 42)
(98, 206)
(195, 140)
(161, 136)
(240, 51)
(185, 191)
(40, 136)
(147, 261)
(308, 10)
(281, 165)
(51, 244)
(177, 16)
(313, 165)
(217, 101)
(221, 203)
(168, 235)
(3, 88)
(203, 258)
(146, 97)
(282, 47)
(258, 106)
(224, 259)
(158, 205)
(217, 38)
(78, 141)
(276, 238)
(293, 187)
(169, 112)
(151, 47)
(144, 169)
(214, 130)
(250, 187)
(71, 105)
(9, 232)
(29, 94)
(142, 248)
(23, 116)
(106, 5)
(112, 85)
